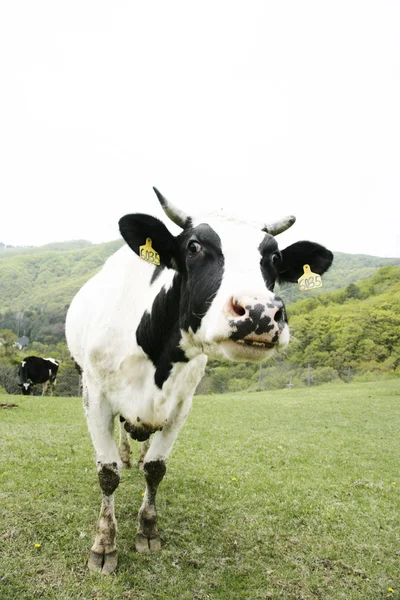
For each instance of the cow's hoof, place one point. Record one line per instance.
(103, 563)
(144, 544)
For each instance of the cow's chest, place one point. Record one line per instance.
(144, 407)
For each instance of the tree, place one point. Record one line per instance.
(7, 341)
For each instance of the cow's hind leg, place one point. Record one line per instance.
(144, 446)
(124, 445)
(103, 554)
(52, 383)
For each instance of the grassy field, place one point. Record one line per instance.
(293, 494)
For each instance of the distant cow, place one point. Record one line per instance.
(143, 330)
(34, 369)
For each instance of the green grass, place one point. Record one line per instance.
(292, 494)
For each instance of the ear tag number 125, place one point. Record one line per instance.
(309, 280)
(148, 253)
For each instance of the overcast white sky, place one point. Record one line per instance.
(264, 108)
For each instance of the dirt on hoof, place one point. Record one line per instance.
(103, 563)
(144, 544)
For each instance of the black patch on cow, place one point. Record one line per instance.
(154, 472)
(203, 274)
(140, 432)
(270, 257)
(158, 332)
(156, 273)
(109, 478)
(302, 253)
(287, 265)
(136, 228)
(185, 303)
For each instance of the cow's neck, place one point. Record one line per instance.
(159, 334)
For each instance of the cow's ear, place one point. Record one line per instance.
(161, 247)
(297, 255)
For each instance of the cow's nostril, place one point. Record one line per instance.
(279, 315)
(237, 309)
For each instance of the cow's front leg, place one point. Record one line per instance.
(154, 465)
(148, 537)
(103, 554)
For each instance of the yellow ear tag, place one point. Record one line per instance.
(309, 280)
(148, 253)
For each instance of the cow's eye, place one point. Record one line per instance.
(193, 248)
(276, 258)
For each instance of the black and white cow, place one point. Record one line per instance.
(34, 369)
(142, 334)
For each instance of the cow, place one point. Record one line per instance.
(34, 369)
(143, 330)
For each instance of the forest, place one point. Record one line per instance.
(349, 328)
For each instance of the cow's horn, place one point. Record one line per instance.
(279, 226)
(175, 214)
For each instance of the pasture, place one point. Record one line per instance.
(292, 494)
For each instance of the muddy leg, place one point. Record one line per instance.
(124, 446)
(103, 554)
(144, 446)
(148, 537)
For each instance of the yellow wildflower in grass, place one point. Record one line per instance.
(390, 590)
(37, 545)
(233, 478)
(394, 483)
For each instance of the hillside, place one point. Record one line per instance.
(356, 326)
(38, 284)
(352, 333)
(346, 269)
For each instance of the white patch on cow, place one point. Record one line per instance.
(55, 362)
(23, 363)
(26, 385)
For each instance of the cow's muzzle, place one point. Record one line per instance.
(255, 321)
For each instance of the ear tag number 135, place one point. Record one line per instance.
(309, 280)
(148, 253)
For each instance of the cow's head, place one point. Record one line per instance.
(228, 269)
(26, 388)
